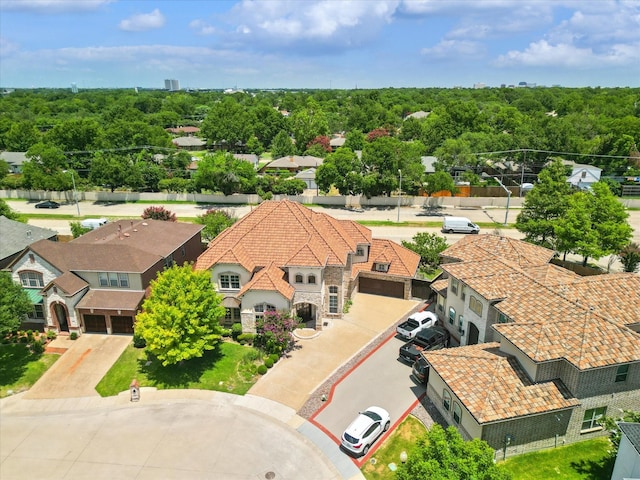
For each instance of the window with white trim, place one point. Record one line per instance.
(333, 299)
(381, 267)
(113, 279)
(457, 412)
(452, 315)
(446, 400)
(229, 281)
(475, 305)
(454, 285)
(38, 311)
(260, 308)
(31, 279)
(591, 417)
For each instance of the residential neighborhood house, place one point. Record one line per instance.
(627, 464)
(544, 353)
(14, 160)
(293, 163)
(583, 176)
(285, 256)
(16, 236)
(97, 282)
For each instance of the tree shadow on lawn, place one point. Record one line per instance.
(180, 375)
(595, 469)
(14, 359)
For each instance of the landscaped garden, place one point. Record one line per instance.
(23, 361)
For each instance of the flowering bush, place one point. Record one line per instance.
(273, 332)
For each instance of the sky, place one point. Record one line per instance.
(340, 44)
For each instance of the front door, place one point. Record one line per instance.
(473, 334)
(305, 312)
(61, 316)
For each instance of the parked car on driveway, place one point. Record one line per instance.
(47, 204)
(415, 323)
(432, 338)
(420, 370)
(365, 429)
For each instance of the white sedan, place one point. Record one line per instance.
(365, 430)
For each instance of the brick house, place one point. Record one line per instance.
(97, 282)
(544, 353)
(284, 256)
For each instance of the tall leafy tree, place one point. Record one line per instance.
(222, 172)
(44, 170)
(308, 123)
(545, 205)
(8, 212)
(342, 169)
(14, 304)
(609, 220)
(428, 246)
(180, 318)
(114, 171)
(444, 455)
(574, 232)
(227, 122)
(214, 221)
(282, 146)
(21, 136)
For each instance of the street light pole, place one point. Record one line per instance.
(506, 215)
(75, 193)
(400, 195)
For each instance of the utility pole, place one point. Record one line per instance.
(400, 195)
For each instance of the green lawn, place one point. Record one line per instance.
(21, 368)
(586, 460)
(229, 368)
(403, 438)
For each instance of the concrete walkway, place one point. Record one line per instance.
(292, 380)
(82, 366)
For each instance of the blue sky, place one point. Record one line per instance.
(318, 43)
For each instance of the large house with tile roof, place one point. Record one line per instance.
(544, 352)
(97, 282)
(285, 256)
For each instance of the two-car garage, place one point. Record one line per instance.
(99, 323)
(378, 286)
(109, 311)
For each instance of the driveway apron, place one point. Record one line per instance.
(293, 379)
(81, 366)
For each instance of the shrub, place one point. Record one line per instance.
(262, 369)
(159, 213)
(51, 334)
(37, 347)
(245, 338)
(274, 332)
(226, 332)
(23, 340)
(236, 329)
(139, 341)
(73, 335)
(274, 357)
(268, 363)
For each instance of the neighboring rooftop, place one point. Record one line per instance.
(17, 235)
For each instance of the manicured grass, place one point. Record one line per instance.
(229, 368)
(21, 368)
(403, 438)
(432, 224)
(586, 460)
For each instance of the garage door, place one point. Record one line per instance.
(122, 324)
(95, 323)
(381, 287)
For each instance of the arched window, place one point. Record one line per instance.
(452, 315)
(311, 279)
(260, 308)
(457, 412)
(446, 400)
(299, 278)
(31, 279)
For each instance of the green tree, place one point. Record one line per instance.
(629, 256)
(282, 146)
(44, 170)
(342, 169)
(574, 232)
(428, 246)
(444, 455)
(159, 213)
(180, 318)
(354, 140)
(214, 221)
(222, 172)
(78, 230)
(114, 171)
(21, 136)
(8, 212)
(438, 182)
(609, 220)
(227, 122)
(14, 304)
(611, 424)
(307, 124)
(545, 205)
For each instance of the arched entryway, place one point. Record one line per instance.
(61, 316)
(307, 312)
(473, 334)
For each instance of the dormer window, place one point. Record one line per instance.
(229, 281)
(299, 278)
(311, 279)
(381, 267)
(360, 252)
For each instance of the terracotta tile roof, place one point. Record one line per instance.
(551, 274)
(95, 258)
(152, 236)
(308, 257)
(402, 261)
(440, 285)
(68, 282)
(485, 247)
(493, 386)
(276, 230)
(270, 278)
(588, 341)
(112, 299)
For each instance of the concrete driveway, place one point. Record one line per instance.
(292, 380)
(82, 366)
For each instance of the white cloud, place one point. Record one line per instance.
(52, 6)
(202, 28)
(544, 54)
(454, 48)
(143, 22)
(7, 47)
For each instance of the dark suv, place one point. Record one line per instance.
(432, 338)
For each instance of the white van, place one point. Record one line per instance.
(93, 223)
(459, 225)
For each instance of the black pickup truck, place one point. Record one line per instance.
(432, 338)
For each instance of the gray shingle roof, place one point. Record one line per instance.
(16, 236)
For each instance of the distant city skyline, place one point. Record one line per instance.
(345, 44)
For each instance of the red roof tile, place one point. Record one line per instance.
(270, 278)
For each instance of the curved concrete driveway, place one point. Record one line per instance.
(169, 434)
